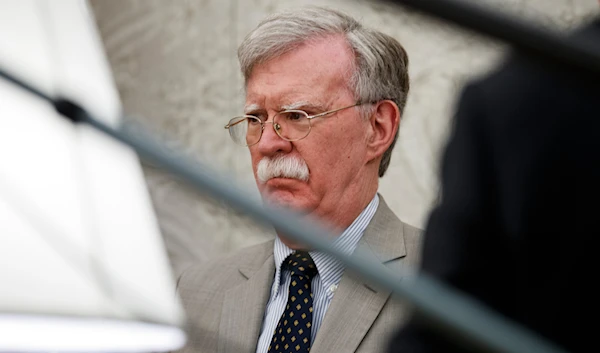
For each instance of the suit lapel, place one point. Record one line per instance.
(244, 307)
(357, 303)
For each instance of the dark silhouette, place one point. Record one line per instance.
(518, 223)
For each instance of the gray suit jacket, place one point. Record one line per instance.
(225, 300)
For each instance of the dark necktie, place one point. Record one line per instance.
(293, 332)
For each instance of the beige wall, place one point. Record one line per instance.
(175, 66)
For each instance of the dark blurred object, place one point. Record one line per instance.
(517, 226)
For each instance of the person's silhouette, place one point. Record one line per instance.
(518, 223)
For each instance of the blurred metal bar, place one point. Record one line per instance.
(543, 45)
(460, 316)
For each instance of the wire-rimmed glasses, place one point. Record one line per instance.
(290, 125)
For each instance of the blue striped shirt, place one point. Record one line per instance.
(323, 284)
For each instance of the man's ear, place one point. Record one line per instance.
(384, 122)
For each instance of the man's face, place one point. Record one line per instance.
(312, 78)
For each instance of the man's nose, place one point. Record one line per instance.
(271, 143)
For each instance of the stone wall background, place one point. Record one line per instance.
(175, 66)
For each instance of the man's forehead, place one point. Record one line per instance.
(316, 72)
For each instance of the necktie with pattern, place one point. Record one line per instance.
(293, 332)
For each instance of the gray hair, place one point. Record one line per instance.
(381, 63)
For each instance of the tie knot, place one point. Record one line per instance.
(301, 264)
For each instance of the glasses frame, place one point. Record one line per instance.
(277, 127)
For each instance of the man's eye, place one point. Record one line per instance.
(258, 115)
(295, 116)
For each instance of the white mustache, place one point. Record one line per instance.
(281, 167)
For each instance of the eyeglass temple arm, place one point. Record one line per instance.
(335, 110)
(230, 124)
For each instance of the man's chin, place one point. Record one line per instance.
(279, 198)
(276, 197)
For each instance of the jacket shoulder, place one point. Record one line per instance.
(411, 232)
(222, 273)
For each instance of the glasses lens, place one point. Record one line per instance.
(292, 124)
(245, 130)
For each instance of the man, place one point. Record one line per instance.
(517, 227)
(324, 97)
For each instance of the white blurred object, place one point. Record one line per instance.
(82, 263)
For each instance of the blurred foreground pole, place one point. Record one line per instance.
(545, 46)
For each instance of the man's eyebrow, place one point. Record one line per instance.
(251, 108)
(302, 104)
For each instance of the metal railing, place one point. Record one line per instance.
(543, 45)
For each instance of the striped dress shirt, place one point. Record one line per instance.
(323, 284)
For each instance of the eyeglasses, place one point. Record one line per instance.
(290, 125)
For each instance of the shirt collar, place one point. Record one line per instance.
(330, 269)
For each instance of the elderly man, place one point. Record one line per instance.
(324, 98)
